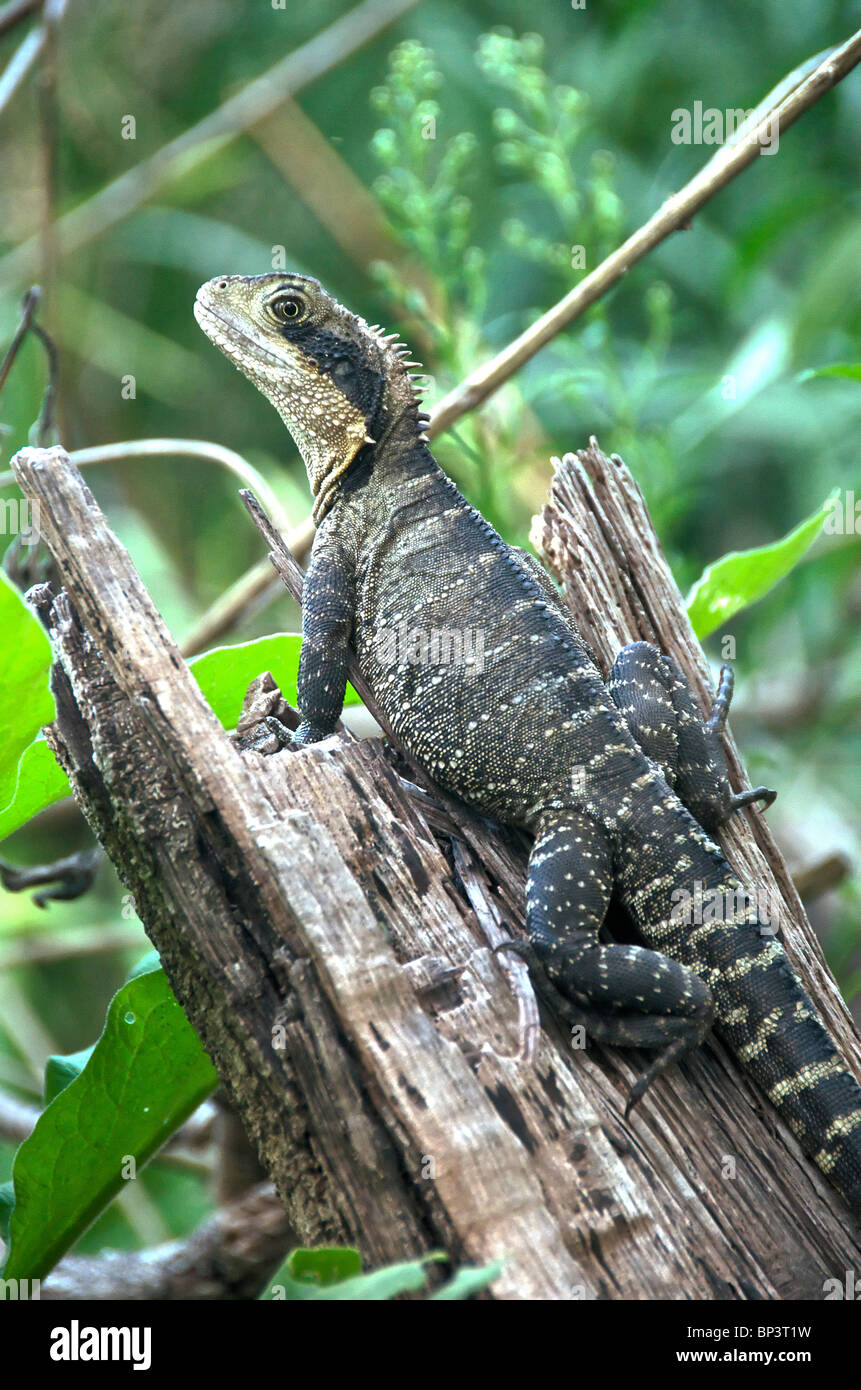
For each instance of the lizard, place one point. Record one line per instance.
(622, 783)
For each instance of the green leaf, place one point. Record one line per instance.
(383, 1284)
(743, 576)
(325, 1266)
(147, 1073)
(852, 370)
(334, 1274)
(26, 702)
(40, 782)
(225, 673)
(467, 1282)
(60, 1072)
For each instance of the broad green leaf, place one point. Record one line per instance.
(325, 1266)
(225, 673)
(852, 370)
(61, 1071)
(26, 702)
(147, 1073)
(40, 782)
(743, 576)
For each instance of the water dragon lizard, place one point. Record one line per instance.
(622, 783)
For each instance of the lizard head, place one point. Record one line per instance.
(338, 384)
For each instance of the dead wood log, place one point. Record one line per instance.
(320, 935)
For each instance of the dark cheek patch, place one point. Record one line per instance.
(343, 362)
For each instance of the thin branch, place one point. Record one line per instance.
(29, 305)
(252, 104)
(183, 448)
(13, 13)
(45, 423)
(257, 581)
(49, 125)
(822, 875)
(62, 880)
(74, 944)
(20, 64)
(174, 448)
(675, 213)
(230, 1257)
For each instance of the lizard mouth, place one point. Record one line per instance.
(227, 331)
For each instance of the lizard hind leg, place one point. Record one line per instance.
(652, 693)
(623, 995)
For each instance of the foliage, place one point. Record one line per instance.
(335, 1275)
(85, 1143)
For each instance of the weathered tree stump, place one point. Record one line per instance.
(327, 927)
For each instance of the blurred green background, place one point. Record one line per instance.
(551, 130)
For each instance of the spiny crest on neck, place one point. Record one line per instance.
(400, 363)
(338, 383)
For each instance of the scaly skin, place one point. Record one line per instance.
(621, 783)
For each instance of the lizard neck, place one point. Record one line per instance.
(399, 449)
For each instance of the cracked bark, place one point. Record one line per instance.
(328, 946)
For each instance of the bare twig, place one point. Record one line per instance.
(178, 448)
(232, 1256)
(257, 582)
(822, 875)
(675, 213)
(29, 305)
(240, 113)
(17, 1118)
(52, 15)
(20, 64)
(13, 13)
(71, 876)
(69, 944)
(185, 448)
(45, 423)
(328, 186)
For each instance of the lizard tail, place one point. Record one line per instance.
(773, 1028)
(771, 1025)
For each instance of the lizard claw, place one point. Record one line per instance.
(763, 794)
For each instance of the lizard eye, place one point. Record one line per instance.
(286, 309)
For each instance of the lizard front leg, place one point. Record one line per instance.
(327, 626)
